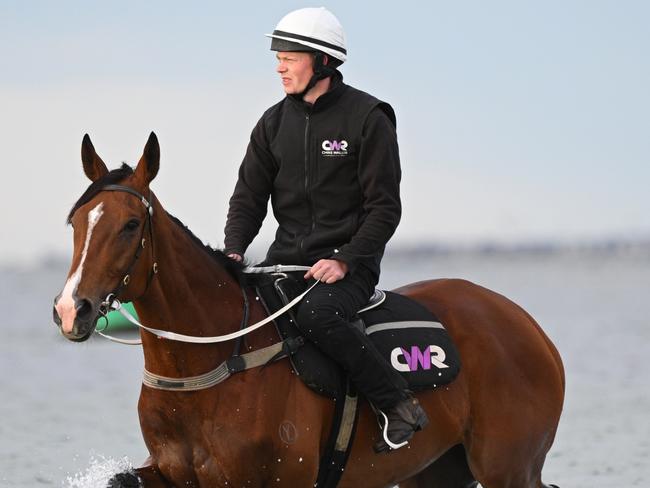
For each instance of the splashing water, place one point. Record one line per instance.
(101, 470)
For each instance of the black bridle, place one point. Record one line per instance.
(105, 307)
(112, 297)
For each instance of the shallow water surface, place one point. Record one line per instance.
(69, 410)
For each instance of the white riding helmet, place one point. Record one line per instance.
(310, 29)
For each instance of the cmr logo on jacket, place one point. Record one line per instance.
(334, 148)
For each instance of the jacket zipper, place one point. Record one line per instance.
(307, 196)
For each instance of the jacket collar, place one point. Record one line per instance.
(337, 87)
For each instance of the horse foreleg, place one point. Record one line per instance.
(147, 476)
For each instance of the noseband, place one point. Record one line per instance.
(105, 306)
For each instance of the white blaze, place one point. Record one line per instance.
(66, 307)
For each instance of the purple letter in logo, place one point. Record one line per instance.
(424, 358)
(417, 357)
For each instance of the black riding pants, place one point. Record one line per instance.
(324, 317)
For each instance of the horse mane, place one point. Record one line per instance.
(235, 268)
(115, 176)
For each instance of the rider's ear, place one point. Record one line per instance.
(147, 168)
(94, 167)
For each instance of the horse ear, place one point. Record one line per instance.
(94, 167)
(149, 163)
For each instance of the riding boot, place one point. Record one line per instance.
(403, 420)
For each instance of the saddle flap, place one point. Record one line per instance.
(320, 373)
(406, 334)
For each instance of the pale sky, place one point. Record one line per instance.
(517, 120)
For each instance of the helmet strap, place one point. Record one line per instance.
(321, 71)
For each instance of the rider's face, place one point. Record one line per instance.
(295, 70)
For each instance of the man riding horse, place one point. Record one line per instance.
(327, 155)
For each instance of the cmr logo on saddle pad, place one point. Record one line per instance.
(416, 358)
(421, 351)
(334, 148)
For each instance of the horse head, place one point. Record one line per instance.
(113, 251)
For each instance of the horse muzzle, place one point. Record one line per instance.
(76, 317)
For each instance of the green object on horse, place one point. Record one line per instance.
(117, 321)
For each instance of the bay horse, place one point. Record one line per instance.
(494, 424)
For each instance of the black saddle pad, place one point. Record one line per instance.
(406, 333)
(413, 341)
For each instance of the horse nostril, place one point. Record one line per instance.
(55, 316)
(84, 308)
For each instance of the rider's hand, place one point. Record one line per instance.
(235, 257)
(327, 271)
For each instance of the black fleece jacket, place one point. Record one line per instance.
(332, 171)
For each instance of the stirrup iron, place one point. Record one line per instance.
(384, 432)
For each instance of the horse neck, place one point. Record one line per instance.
(191, 295)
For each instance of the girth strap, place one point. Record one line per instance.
(339, 444)
(235, 364)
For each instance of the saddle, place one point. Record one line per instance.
(407, 335)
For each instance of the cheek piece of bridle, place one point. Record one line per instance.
(105, 306)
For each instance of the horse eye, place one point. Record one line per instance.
(132, 224)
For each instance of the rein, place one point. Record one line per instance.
(236, 363)
(163, 334)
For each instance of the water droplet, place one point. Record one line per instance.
(101, 469)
